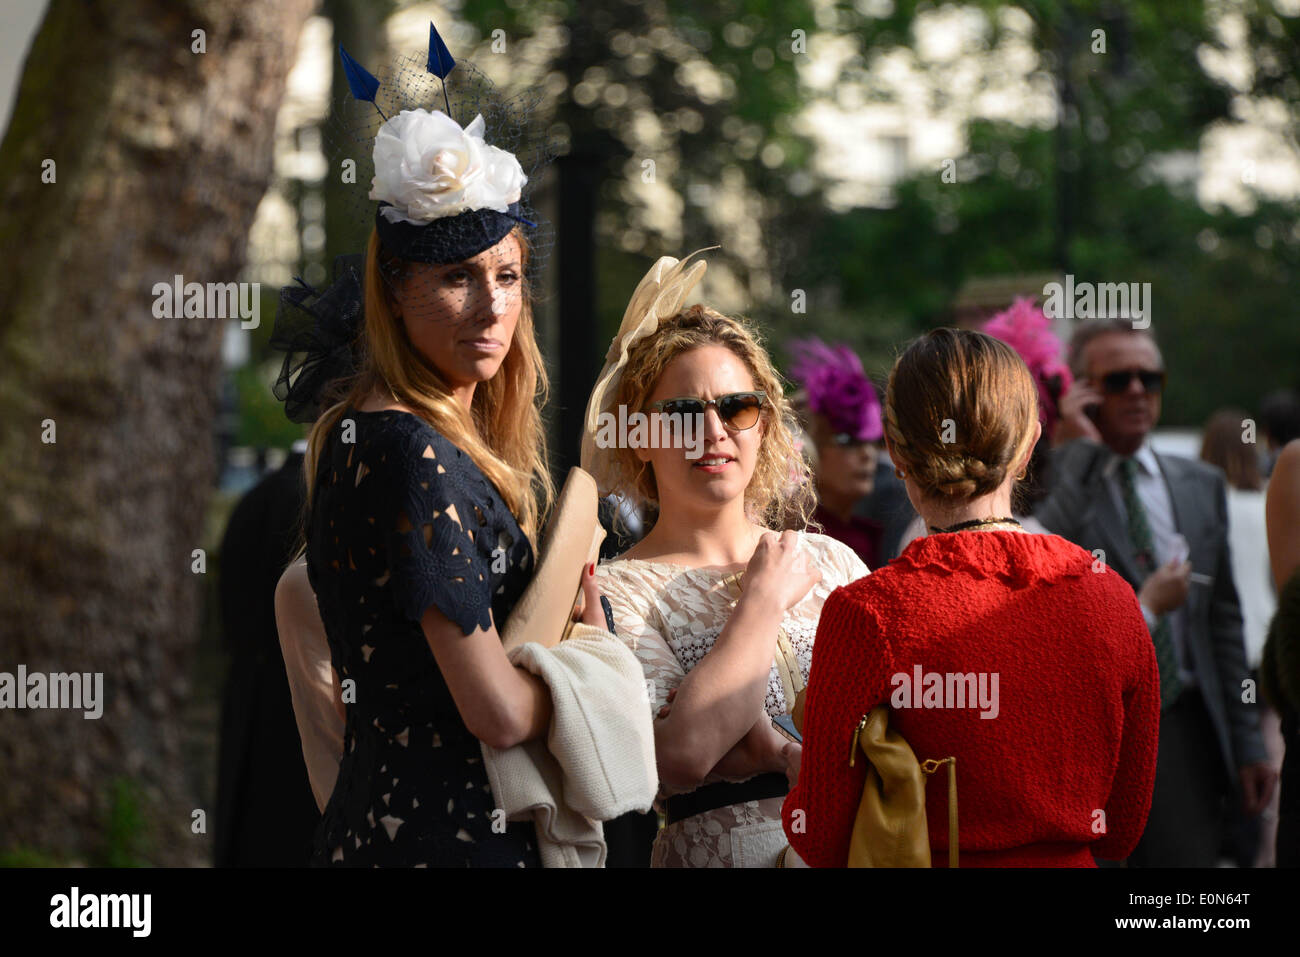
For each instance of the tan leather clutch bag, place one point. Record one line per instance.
(570, 542)
(891, 829)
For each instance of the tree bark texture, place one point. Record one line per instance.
(161, 157)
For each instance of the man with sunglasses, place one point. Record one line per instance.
(1161, 522)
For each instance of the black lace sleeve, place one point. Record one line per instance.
(440, 543)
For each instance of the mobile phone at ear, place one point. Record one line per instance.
(1092, 410)
(785, 724)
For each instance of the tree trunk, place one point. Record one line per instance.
(161, 156)
(580, 176)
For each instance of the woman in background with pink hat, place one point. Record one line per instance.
(841, 416)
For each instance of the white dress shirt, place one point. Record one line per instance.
(1247, 539)
(1153, 491)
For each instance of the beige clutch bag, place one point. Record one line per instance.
(570, 542)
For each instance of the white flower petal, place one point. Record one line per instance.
(427, 167)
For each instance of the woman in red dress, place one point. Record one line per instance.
(1023, 656)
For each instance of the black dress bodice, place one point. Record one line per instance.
(402, 520)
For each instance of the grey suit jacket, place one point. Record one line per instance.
(1080, 508)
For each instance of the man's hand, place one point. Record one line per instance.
(1166, 588)
(1074, 422)
(1257, 782)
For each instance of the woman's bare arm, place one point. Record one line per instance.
(716, 702)
(313, 684)
(501, 704)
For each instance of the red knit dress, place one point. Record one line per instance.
(1064, 763)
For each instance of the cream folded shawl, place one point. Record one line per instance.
(598, 758)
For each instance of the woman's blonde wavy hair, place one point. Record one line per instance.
(972, 390)
(502, 433)
(779, 492)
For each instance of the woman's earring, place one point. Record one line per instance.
(899, 472)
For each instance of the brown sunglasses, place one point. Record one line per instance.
(738, 410)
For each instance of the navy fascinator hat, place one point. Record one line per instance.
(441, 162)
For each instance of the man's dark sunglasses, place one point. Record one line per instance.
(738, 410)
(1114, 383)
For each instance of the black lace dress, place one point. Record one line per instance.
(402, 519)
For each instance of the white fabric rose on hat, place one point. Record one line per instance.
(428, 167)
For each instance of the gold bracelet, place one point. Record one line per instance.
(780, 858)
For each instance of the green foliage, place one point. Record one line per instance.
(126, 839)
(125, 827)
(28, 857)
(1082, 198)
(262, 422)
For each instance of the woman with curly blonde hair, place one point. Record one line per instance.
(719, 608)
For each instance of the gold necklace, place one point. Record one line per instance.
(976, 523)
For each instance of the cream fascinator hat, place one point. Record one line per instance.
(659, 295)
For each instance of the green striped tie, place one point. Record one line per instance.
(1139, 533)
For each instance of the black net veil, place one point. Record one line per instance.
(449, 278)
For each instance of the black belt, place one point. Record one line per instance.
(724, 794)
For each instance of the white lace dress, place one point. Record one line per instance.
(670, 615)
